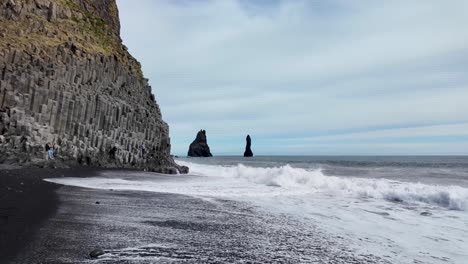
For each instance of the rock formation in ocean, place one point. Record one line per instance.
(199, 147)
(67, 79)
(248, 151)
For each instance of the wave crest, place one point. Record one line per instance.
(450, 197)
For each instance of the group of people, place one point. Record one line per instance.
(49, 148)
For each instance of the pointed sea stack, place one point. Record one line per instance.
(248, 151)
(199, 147)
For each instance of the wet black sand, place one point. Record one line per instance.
(144, 227)
(26, 202)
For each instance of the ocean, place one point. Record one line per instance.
(402, 209)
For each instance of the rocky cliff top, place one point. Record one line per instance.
(90, 27)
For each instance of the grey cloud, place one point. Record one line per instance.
(299, 67)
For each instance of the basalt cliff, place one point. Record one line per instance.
(67, 79)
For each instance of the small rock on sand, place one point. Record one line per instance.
(96, 253)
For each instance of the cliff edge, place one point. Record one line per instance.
(67, 79)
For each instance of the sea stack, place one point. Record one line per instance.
(248, 151)
(67, 79)
(199, 147)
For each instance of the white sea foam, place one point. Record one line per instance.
(287, 179)
(451, 197)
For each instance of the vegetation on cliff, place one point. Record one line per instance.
(92, 27)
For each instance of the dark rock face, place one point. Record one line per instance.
(199, 147)
(67, 79)
(248, 152)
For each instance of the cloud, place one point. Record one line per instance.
(454, 130)
(292, 70)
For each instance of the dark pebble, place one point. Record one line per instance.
(96, 253)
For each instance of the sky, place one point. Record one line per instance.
(307, 77)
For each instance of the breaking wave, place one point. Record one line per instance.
(450, 197)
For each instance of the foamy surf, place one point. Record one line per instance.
(289, 180)
(451, 197)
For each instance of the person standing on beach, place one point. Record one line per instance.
(142, 149)
(50, 151)
(47, 148)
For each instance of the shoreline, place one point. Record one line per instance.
(148, 227)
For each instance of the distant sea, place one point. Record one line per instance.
(404, 209)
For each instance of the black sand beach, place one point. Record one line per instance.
(26, 202)
(62, 224)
